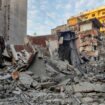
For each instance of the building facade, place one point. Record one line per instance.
(13, 20)
(89, 37)
(98, 13)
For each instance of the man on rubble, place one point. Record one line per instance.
(2, 48)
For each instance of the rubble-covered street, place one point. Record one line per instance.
(42, 63)
(60, 84)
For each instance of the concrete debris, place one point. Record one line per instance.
(89, 87)
(25, 80)
(54, 88)
(50, 81)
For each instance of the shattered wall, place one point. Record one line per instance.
(40, 40)
(89, 43)
(4, 17)
(89, 39)
(13, 20)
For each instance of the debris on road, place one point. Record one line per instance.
(62, 85)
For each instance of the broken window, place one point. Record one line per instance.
(103, 13)
(94, 48)
(89, 36)
(93, 15)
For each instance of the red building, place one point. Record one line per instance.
(41, 40)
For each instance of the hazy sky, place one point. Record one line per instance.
(43, 15)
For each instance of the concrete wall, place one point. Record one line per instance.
(13, 20)
(4, 17)
(40, 40)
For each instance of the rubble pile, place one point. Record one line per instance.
(62, 85)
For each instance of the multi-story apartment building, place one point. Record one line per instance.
(98, 13)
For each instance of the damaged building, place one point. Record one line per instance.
(55, 69)
(89, 38)
(13, 20)
(67, 48)
(49, 43)
(98, 13)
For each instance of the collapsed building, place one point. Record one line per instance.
(90, 38)
(29, 76)
(86, 39)
(49, 43)
(67, 48)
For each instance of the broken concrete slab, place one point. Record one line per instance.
(102, 104)
(87, 100)
(89, 87)
(17, 91)
(6, 76)
(25, 79)
(78, 95)
(46, 84)
(34, 84)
